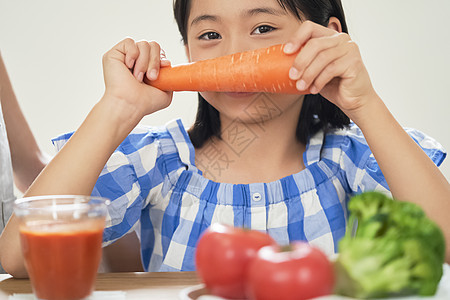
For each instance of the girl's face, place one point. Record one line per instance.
(221, 27)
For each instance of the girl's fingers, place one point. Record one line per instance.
(327, 75)
(316, 49)
(142, 61)
(164, 61)
(331, 71)
(320, 62)
(348, 66)
(129, 48)
(154, 61)
(307, 31)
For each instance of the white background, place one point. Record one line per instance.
(53, 51)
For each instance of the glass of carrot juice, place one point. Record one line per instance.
(61, 238)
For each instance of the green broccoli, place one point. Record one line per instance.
(390, 249)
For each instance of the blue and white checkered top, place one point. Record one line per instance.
(156, 189)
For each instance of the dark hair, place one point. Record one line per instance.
(317, 112)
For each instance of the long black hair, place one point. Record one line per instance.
(317, 113)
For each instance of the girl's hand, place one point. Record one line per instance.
(330, 63)
(124, 68)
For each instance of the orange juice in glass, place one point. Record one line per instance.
(61, 239)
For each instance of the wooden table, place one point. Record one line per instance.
(169, 285)
(158, 285)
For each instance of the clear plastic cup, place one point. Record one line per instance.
(61, 239)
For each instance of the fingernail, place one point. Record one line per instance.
(153, 74)
(313, 90)
(140, 76)
(131, 64)
(301, 85)
(288, 48)
(294, 74)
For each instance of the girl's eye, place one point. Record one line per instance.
(210, 36)
(263, 29)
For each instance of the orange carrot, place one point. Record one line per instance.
(261, 70)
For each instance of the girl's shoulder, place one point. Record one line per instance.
(349, 143)
(334, 143)
(142, 136)
(352, 134)
(347, 152)
(164, 148)
(173, 132)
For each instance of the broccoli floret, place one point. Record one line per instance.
(394, 251)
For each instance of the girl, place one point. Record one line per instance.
(285, 164)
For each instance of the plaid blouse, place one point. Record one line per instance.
(156, 189)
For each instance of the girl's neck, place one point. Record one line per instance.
(251, 152)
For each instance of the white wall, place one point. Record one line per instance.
(53, 52)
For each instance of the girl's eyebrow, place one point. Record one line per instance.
(205, 18)
(247, 13)
(264, 10)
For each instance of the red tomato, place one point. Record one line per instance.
(299, 272)
(222, 256)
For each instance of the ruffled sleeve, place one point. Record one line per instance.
(126, 180)
(361, 168)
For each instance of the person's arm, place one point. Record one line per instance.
(27, 158)
(76, 167)
(409, 172)
(330, 63)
